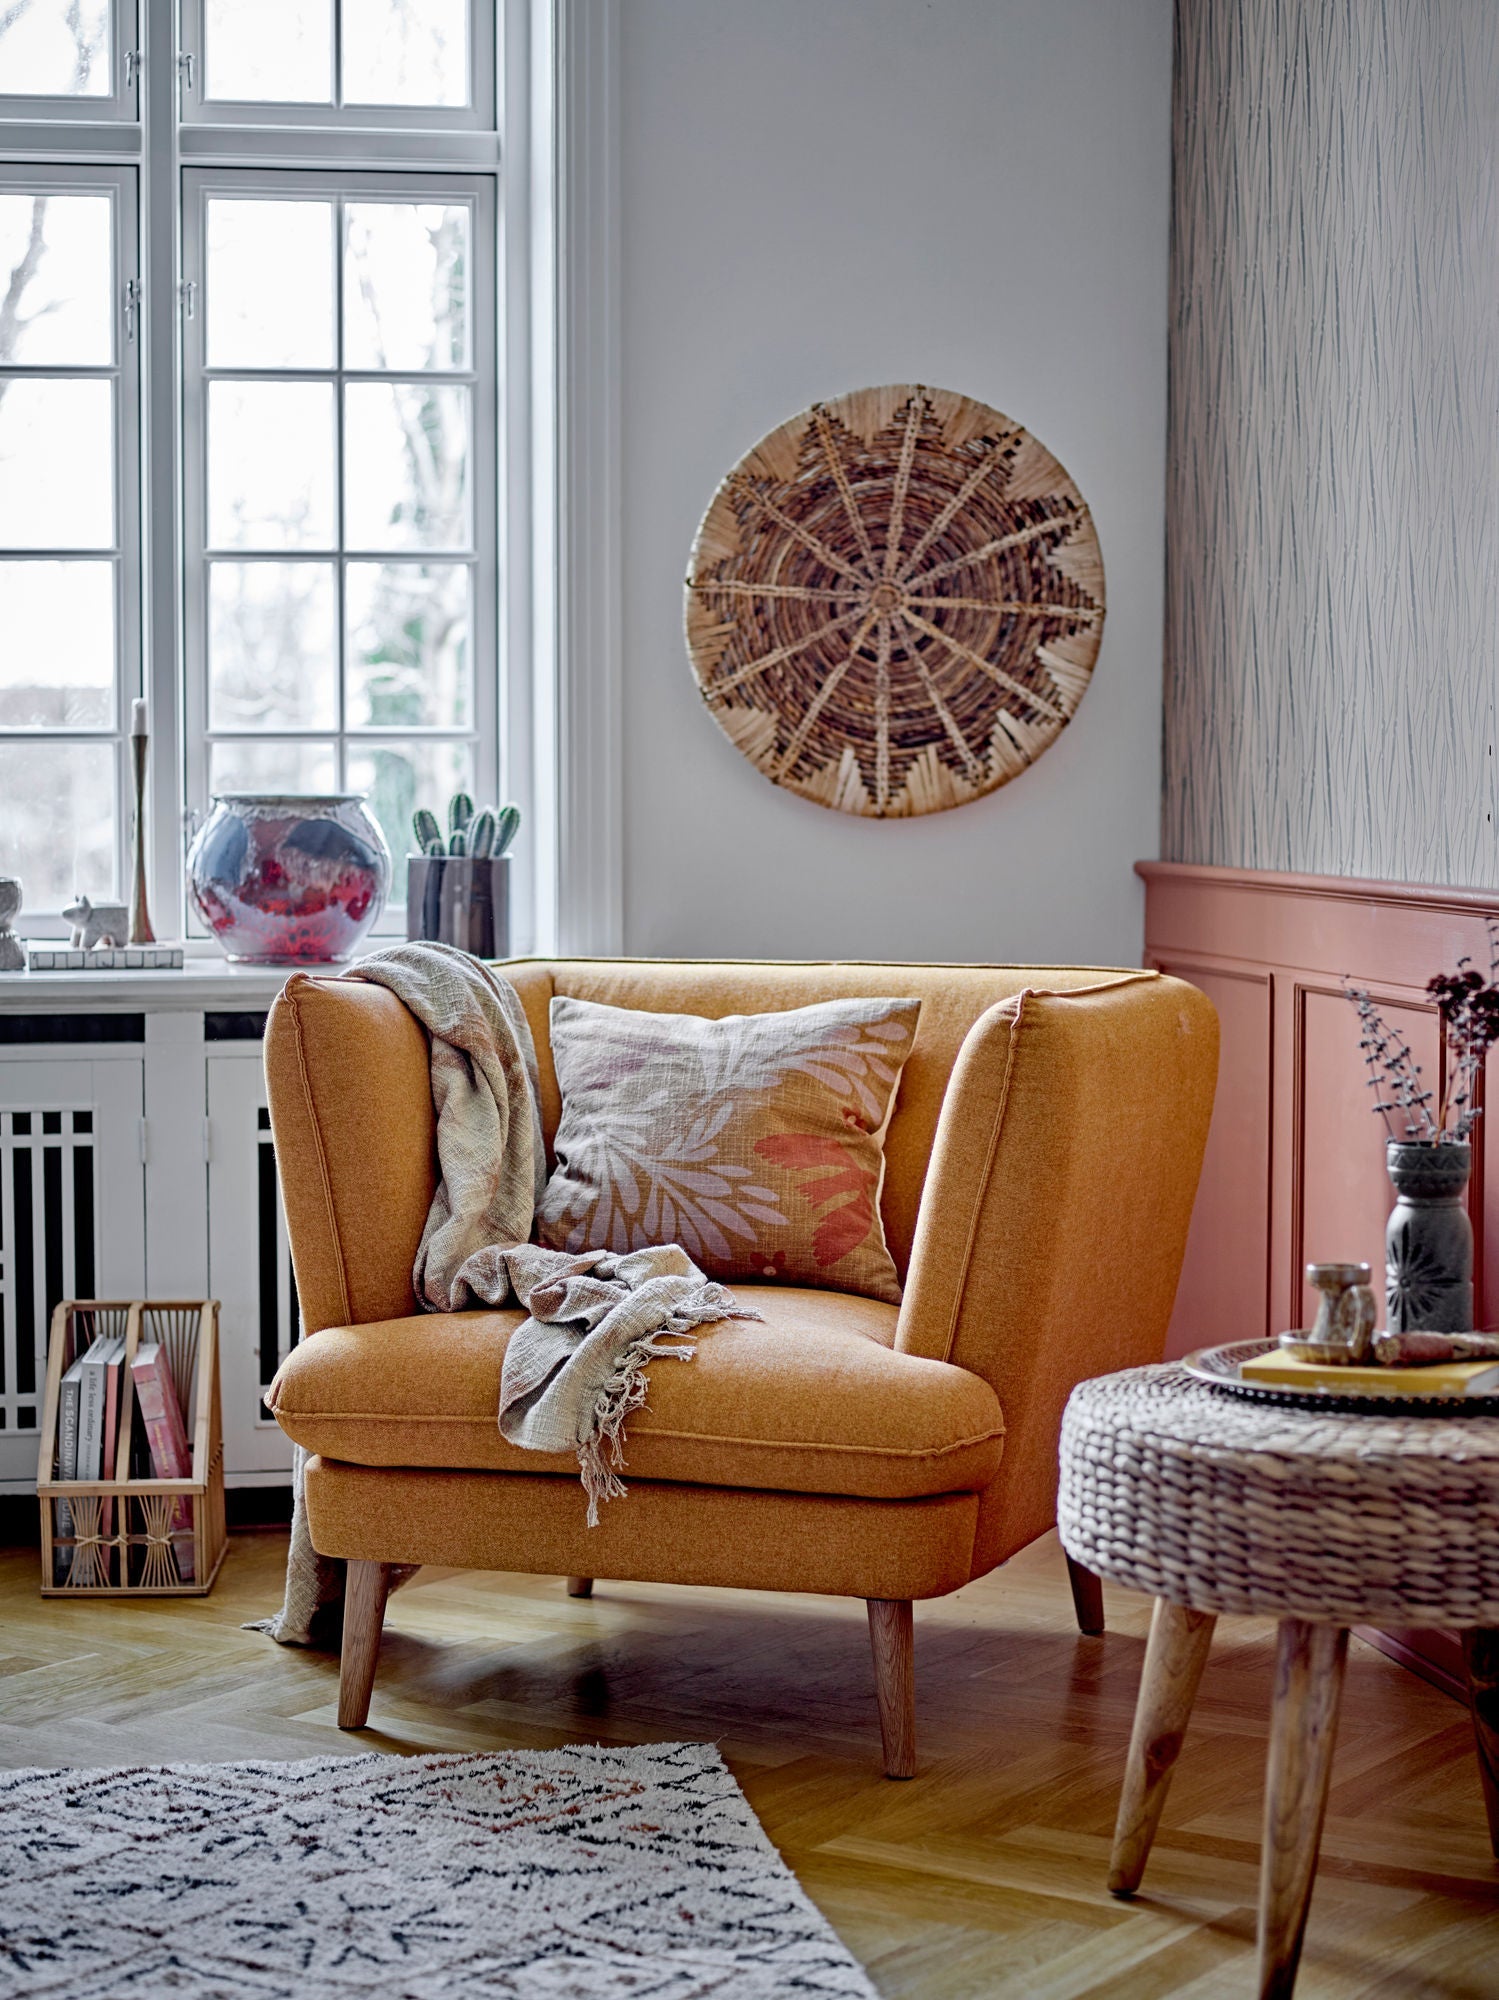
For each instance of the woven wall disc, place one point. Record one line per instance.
(895, 601)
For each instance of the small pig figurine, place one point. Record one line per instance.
(97, 923)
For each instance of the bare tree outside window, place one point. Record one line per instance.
(14, 318)
(54, 48)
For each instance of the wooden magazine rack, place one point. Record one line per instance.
(121, 1537)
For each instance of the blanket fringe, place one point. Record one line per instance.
(601, 1452)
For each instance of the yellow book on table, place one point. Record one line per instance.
(1442, 1378)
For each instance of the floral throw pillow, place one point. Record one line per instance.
(756, 1142)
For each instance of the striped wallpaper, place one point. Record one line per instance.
(1332, 618)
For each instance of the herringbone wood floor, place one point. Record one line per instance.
(983, 1877)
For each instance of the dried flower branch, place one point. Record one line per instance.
(1394, 1074)
(1468, 1005)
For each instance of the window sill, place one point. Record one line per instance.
(206, 981)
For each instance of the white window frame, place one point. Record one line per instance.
(480, 377)
(118, 185)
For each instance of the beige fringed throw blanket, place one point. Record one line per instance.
(576, 1368)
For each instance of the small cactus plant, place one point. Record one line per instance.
(507, 826)
(486, 835)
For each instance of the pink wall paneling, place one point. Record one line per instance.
(1295, 1162)
(1223, 1294)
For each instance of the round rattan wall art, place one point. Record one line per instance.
(895, 602)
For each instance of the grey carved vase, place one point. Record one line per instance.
(1429, 1240)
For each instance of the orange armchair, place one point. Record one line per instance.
(1041, 1164)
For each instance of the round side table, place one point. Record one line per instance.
(1212, 1503)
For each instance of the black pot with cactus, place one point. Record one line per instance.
(458, 885)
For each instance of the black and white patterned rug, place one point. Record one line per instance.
(605, 1874)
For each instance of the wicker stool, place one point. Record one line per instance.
(1211, 1503)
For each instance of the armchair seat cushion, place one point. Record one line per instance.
(813, 1400)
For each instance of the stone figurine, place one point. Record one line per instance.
(97, 923)
(12, 951)
(1344, 1331)
(1346, 1310)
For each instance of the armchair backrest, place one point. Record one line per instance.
(351, 1107)
(952, 998)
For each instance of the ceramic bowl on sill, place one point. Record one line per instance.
(283, 878)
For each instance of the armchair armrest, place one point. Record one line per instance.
(348, 1076)
(1054, 1216)
(351, 1113)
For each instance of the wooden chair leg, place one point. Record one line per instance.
(580, 1586)
(1481, 1657)
(365, 1590)
(1087, 1598)
(892, 1638)
(1309, 1662)
(1174, 1659)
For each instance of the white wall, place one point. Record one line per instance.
(818, 195)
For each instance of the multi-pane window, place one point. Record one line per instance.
(324, 468)
(69, 547)
(340, 439)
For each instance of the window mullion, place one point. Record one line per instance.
(340, 568)
(161, 459)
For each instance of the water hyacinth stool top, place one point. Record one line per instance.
(1231, 1506)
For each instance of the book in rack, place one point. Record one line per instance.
(131, 1470)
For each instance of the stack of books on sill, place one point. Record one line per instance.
(90, 1404)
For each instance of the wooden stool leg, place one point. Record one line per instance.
(365, 1590)
(1309, 1662)
(1174, 1660)
(1481, 1657)
(1087, 1598)
(580, 1586)
(892, 1638)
